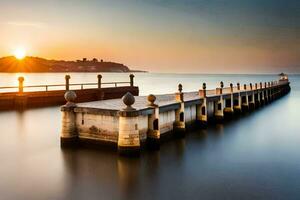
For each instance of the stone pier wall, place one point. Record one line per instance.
(128, 127)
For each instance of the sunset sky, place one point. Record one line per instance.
(192, 36)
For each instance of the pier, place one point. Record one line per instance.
(130, 122)
(26, 96)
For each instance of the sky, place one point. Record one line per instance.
(181, 36)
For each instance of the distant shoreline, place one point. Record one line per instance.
(40, 65)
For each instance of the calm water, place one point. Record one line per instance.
(256, 156)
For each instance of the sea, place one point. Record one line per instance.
(254, 156)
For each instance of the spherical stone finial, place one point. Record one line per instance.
(231, 85)
(204, 86)
(99, 76)
(221, 84)
(21, 79)
(70, 97)
(131, 76)
(180, 87)
(67, 77)
(245, 86)
(238, 84)
(151, 99)
(128, 99)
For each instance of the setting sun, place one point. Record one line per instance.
(20, 53)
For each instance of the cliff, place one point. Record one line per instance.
(35, 64)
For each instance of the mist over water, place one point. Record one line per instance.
(255, 156)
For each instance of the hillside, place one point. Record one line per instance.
(35, 64)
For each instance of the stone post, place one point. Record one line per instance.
(131, 80)
(179, 124)
(266, 93)
(99, 80)
(228, 110)
(129, 138)
(262, 94)
(21, 97)
(252, 98)
(153, 134)
(69, 134)
(237, 103)
(21, 84)
(257, 96)
(219, 104)
(245, 100)
(269, 92)
(202, 108)
(67, 78)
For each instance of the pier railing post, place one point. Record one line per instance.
(266, 93)
(252, 98)
(219, 104)
(131, 76)
(153, 133)
(237, 103)
(245, 100)
(69, 134)
(21, 97)
(269, 91)
(229, 103)
(262, 95)
(21, 84)
(179, 124)
(202, 108)
(99, 76)
(129, 138)
(67, 78)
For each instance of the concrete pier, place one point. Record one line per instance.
(129, 123)
(25, 96)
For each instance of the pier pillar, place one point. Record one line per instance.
(69, 134)
(272, 91)
(262, 95)
(67, 78)
(228, 110)
(251, 98)
(202, 108)
(179, 124)
(266, 98)
(99, 76)
(245, 100)
(257, 96)
(237, 103)
(21, 98)
(219, 104)
(131, 76)
(129, 139)
(153, 134)
(269, 92)
(21, 84)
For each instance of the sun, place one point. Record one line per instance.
(20, 53)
